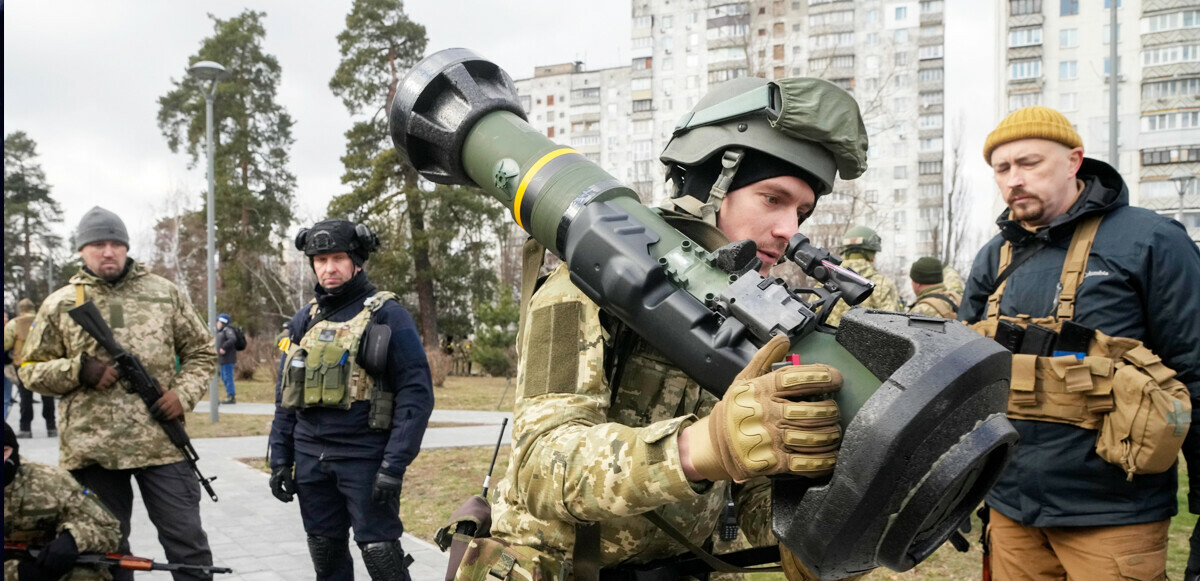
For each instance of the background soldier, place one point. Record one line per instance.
(859, 246)
(354, 421)
(226, 356)
(593, 452)
(16, 332)
(1060, 509)
(110, 436)
(933, 298)
(46, 508)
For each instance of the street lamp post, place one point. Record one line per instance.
(213, 73)
(1182, 182)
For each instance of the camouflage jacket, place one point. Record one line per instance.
(584, 454)
(151, 319)
(931, 303)
(885, 296)
(952, 280)
(43, 501)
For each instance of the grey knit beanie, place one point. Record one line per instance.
(98, 225)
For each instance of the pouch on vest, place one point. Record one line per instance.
(490, 558)
(292, 384)
(383, 401)
(1151, 415)
(327, 376)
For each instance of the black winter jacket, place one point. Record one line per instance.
(332, 434)
(1141, 282)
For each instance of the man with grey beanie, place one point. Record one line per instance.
(111, 437)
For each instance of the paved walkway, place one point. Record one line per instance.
(260, 538)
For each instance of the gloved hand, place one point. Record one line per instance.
(167, 408)
(53, 561)
(793, 569)
(282, 484)
(96, 374)
(770, 422)
(386, 487)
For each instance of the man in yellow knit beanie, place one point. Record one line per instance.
(1068, 505)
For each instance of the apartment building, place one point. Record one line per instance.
(1057, 53)
(888, 54)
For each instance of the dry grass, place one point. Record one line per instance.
(440, 480)
(474, 393)
(231, 425)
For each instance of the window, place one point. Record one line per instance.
(1068, 101)
(871, 196)
(525, 103)
(933, 51)
(667, 43)
(1019, 7)
(1162, 156)
(838, 62)
(872, 38)
(1068, 38)
(900, 172)
(692, 81)
(930, 31)
(777, 29)
(839, 17)
(643, 21)
(900, 36)
(643, 42)
(668, 63)
(1119, 66)
(724, 75)
(931, 6)
(931, 144)
(1173, 88)
(928, 191)
(642, 84)
(1169, 55)
(586, 93)
(899, 103)
(643, 149)
(929, 167)
(899, 195)
(1068, 70)
(1025, 36)
(1108, 4)
(1169, 121)
(643, 105)
(1171, 21)
(550, 131)
(901, 58)
(642, 126)
(642, 63)
(693, 60)
(1022, 100)
(933, 121)
(871, 17)
(1106, 34)
(831, 40)
(728, 53)
(932, 98)
(585, 140)
(1020, 70)
(901, 12)
(1068, 7)
(668, 21)
(933, 75)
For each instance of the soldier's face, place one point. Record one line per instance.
(1036, 178)
(106, 259)
(767, 212)
(333, 270)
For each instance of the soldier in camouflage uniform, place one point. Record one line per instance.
(108, 434)
(594, 453)
(45, 508)
(352, 403)
(933, 298)
(952, 279)
(859, 246)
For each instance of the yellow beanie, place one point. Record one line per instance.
(1032, 122)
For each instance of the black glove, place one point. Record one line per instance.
(387, 487)
(282, 484)
(53, 561)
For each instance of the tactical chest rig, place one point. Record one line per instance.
(338, 363)
(1118, 386)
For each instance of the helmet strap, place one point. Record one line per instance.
(730, 161)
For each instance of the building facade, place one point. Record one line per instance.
(1056, 53)
(888, 54)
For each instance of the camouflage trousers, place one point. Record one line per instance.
(490, 558)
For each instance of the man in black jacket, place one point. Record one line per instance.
(1059, 508)
(227, 356)
(352, 404)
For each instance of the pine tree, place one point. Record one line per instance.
(29, 212)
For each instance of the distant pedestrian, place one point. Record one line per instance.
(9, 375)
(227, 356)
(16, 332)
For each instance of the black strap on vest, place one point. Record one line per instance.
(1019, 258)
(945, 299)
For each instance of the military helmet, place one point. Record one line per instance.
(861, 239)
(338, 235)
(806, 122)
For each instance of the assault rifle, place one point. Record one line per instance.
(139, 381)
(116, 560)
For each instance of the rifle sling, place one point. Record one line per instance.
(1018, 259)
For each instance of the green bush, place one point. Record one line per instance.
(495, 345)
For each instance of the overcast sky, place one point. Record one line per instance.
(82, 79)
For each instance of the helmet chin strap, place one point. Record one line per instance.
(707, 210)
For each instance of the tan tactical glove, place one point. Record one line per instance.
(771, 422)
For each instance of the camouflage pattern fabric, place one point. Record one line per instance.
(932, 306)
(42, 502)
(151, 319)
(952, 280)
(886, 297)
(582, 454)
(12, 336)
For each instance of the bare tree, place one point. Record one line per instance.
(951, 233)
